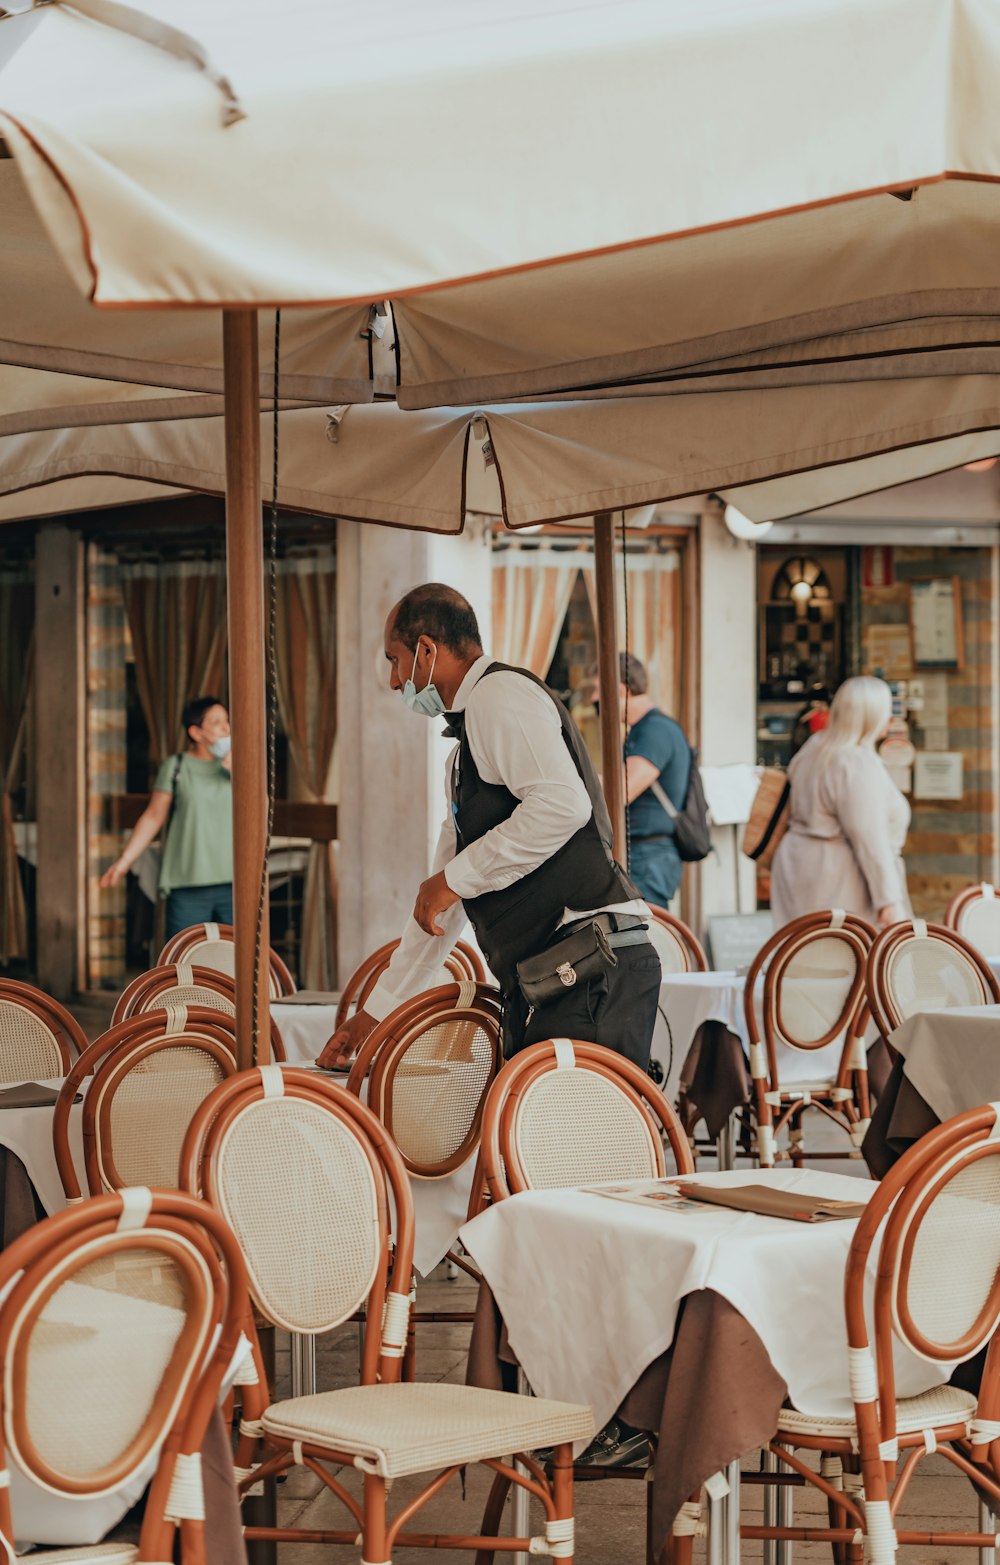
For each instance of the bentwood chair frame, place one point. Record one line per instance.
(882, 996)
(49, 1037)
(131, 1044)
(180, 984)
(961, 1428)
(462, 963)
(439, 1428)
(845, 1099)
(191, 1240)
(982, 898)
(690, 948)
(187, 943)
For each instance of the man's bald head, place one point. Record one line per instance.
(440, 613)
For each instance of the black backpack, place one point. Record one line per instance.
(691, 832)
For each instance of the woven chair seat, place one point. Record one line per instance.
(417, 1427)
(88, 1554)
(939, 1408)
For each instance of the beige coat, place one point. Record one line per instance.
(846, 832)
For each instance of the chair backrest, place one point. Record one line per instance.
(814, 985)
(678, 947)
(300, 1168)
(178, 1028)
(118, 1321)
(430, 1064)
(938, 1270)
(975, 915)
(211, 945)
(462, 963)
(180, 984)
(916, 966)
(564, 1113)
(38, 1036)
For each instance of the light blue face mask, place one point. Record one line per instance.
(427, 701)
(220, 748)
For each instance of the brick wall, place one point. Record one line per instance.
(951, 842)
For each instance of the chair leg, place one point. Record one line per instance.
(493, 1516)
(562, 1489)
(374, 1544)
(786, 1509)
(987, 1523)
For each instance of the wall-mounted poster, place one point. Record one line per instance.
(938, 775)
(936, 623)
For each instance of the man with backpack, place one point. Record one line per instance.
(666, 824)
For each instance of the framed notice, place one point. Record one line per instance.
(936, 623)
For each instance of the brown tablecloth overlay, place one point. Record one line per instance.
(715, 1078)
(19, 1210)
(711, 1398)
(900, 1117)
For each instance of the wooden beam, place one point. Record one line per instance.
(609, 675)
(245, 587)
(60, 748)
(292, 817)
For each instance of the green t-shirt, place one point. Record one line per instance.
(199, 846)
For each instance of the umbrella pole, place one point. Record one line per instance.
(247, 700)
(609, 676)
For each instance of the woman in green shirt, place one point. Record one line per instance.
(193, 799)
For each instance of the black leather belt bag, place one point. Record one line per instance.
(582, 951)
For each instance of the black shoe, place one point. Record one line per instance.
(616, 1445)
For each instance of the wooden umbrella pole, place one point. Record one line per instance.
(609, 676)
(247, 697)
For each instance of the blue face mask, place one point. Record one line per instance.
(427, 701)
(220, 748)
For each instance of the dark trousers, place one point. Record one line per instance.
(616, 1009)
(187, 905)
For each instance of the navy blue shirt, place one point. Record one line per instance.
(658, 739)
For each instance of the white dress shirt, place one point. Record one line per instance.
(515, 736)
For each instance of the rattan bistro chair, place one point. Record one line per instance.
(937, 1293)
(150, 1074)
(211, 945)
(678, 947)
(38, 1036)
(180, 984)
(563, 1113)
(975, 915)
(292, 1161)
(119, 1319)
(915, 966)
(462, 963)
(814, 992)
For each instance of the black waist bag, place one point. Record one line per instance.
(577, 957)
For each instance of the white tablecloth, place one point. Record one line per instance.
(305, 1029)
(589, 1288)
(688, 1000)
(28, 1134)
(952, 1057)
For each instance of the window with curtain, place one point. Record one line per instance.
(17, 617)
(531, 592)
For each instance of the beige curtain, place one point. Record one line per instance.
(654, 618)
(307, 700)
(531, 593)
(177, 620)
(17, 615)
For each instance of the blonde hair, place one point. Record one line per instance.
(858, 713)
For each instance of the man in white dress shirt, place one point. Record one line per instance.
(525, 848)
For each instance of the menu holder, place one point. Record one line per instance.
(30, 1095)
(793, 1205)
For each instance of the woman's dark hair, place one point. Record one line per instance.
(195, 710)
(439, 612)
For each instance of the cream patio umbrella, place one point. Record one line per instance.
(317, 164)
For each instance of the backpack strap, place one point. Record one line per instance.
(175, 774)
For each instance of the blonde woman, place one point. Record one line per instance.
(848, 820)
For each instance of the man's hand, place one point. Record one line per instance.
(434, 896)
(346, 1041)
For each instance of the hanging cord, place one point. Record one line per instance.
(628, 823)
(272, 681)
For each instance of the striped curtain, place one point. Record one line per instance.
(307, 700)
(654, 618)
(17, 617)
(531, 593)
(177, 620)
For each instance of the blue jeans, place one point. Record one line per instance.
(187, 905)
(655, 867)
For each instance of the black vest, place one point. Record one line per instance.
(521, 919)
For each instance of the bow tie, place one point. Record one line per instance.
(455, 728)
